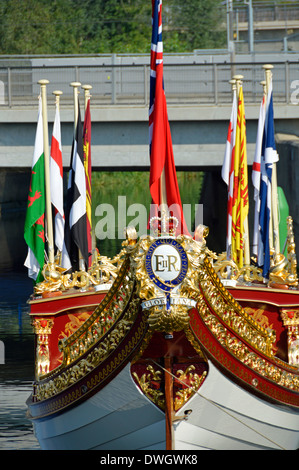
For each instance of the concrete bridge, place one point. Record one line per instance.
(198, 96)
(199, 110)
(120, 134)
(199, 106)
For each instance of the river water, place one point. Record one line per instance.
(17, 372)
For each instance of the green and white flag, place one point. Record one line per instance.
(34, 231)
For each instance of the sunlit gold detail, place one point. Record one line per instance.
(175, 317)
(103, 331)
(155, 394)
(194, 381)
(75, 321)
(42, 328)
(283, 270)
(290, 318)
(224, 335)
(151, 384)
(259, 316)
(102, 271)
(65, 377)
(230, 311)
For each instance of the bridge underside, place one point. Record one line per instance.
(120, 135)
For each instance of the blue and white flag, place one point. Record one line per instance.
(256, 174)
(269, 157)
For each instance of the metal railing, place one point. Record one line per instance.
(268, 11)
(185, 84)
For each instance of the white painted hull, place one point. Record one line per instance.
(120, 417)
(117, 417)
(226, 417)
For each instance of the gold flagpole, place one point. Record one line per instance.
(275, 242)
(43, 83)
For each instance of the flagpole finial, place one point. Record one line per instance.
(87, 94)
(43, 81)
(268, 66)
(57, 94)
(75, 84)
(233, 83)
(263, 83)
(268, 72)
(239, 79)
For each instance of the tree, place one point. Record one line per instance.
(197, 24)
(105, 26)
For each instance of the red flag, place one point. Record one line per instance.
(162, 170)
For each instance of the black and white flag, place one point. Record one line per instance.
(75, 237)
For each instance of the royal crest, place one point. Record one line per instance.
(166, 270)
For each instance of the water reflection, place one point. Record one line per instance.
(17, 373)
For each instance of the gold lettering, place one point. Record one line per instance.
(171, 262)
(160, 263)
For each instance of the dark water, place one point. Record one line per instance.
(17, 373)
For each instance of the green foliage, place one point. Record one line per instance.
(197, 24)
(105, 26)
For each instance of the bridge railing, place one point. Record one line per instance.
(185, 84)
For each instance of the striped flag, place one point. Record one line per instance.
(162, 167)
(240, 203)
(269, 156)
(56, 181)
(76, 246)
(87, 168)
(256, 174)
(34, 230)
(227, 171)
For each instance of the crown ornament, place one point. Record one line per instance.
(164, 224)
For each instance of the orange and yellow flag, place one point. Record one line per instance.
(240, 194)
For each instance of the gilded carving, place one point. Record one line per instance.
(187, 382)
(290, 318)
(42, 327)
(65, 377)
(167, 304)
(103, 270)
(283, 270)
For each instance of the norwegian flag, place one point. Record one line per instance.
(162, 169)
